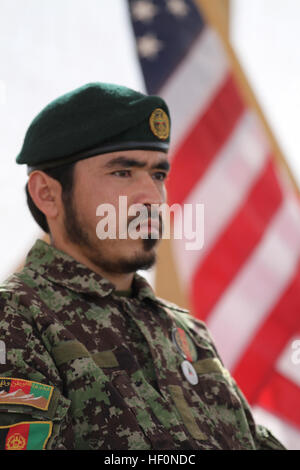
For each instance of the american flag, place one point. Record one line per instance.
(245, 281)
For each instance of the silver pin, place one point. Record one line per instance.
(189, 372)
(2, 353)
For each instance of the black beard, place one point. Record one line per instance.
(77, 235)
(122, 266)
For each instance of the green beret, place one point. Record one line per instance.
(94, 119)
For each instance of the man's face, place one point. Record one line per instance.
(140, 176)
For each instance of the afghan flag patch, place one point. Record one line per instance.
(31, 435)
(25, 392)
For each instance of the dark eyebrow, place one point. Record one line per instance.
(125, 162)
(163, 165)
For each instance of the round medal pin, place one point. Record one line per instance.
(189, 372)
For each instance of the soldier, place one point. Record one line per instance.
(94, 360)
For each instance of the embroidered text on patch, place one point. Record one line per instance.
(15, 391)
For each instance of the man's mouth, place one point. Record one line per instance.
(150, 224)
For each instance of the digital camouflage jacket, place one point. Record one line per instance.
(89, 368)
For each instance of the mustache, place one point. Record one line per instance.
(151, 220)
(152, 215)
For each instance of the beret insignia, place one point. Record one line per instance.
(159, 124)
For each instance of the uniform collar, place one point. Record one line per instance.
(61, 268)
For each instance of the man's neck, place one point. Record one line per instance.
(122, 282)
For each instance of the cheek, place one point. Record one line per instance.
(96, 205)
(87, 198)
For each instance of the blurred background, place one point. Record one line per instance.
(49, 48)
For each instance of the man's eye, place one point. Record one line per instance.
(160, 176)
(121, 173)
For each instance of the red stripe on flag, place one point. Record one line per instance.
(232, 249)
(280, 396)
(269, 341)
(202, 143)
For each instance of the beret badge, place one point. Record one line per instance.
(159, 124)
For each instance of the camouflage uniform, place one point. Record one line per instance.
(107, 369)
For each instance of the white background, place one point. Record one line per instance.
(266, 38)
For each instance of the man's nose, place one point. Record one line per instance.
(149, 192)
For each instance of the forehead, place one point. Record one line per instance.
(128, 158)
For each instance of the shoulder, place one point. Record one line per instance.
(18, 295)
(17, 284)
(20, 311)
(26, 352)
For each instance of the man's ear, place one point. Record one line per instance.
(45, 193)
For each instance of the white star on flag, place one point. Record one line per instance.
(177, 7)
(143, 10)
(149, 46)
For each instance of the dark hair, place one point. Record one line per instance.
(64, 175)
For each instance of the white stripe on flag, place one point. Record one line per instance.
(202, 71)
(288, 363)
(258, 285)
(287, 434)
(224, 188)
